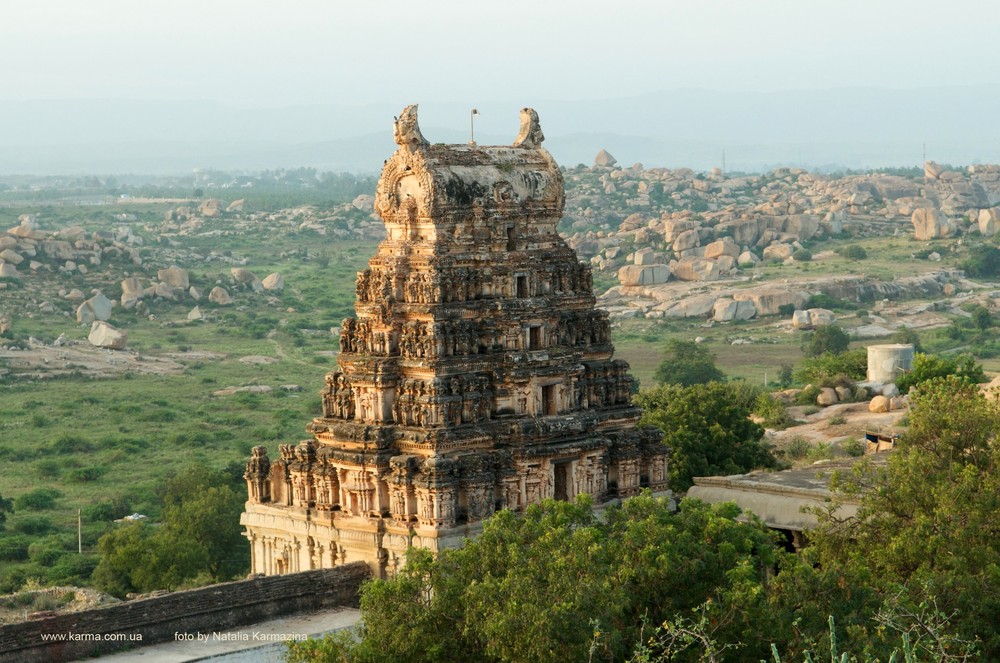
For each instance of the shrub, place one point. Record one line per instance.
(826, 339)
(71, 444)
(807, 396)
(13, 547)
(832, 369)
(85, 474)
(802, 255)
(798, 448)
(927, 367)
(31, 525)
(786, 309)
(983, 260)
(853, 252)
(853, 447)
(38, 499)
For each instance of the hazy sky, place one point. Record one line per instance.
(258, 52)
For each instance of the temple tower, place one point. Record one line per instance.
(476, 375)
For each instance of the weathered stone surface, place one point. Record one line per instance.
(273, 282)
(879, 404)
(769, 299)
(174, 277)
(694, 268)
(8, 271)
(827, 396)
(687, 240)
(11, 256)
(722, 247)
(604, 158)
(648, 275)
(132, 292)
(243, 276)
(431, 419)
(932, 170)
(220, 296)
(165, 291)
(195, 314)
(929, 223)
(673, 229)
(727, 310)
(779, 251)
(989, 221)
(747, 259)
(237, 206)
(104, 335)
(97, 307)
(211, 208)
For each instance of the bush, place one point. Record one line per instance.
(853, 447)
(798, 448)
(983, 260)
(853, 252)
(38, 499)
(802, 255)
(85, 474)
(786, 309)
(13, 548)
(687, 363)
(808, 395)
(71, 444)
(826, 339)
(927, 367)
(830, 370)
(31, 525)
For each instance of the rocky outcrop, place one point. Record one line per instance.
(220, 296)
(929, 223)
(694, 268)
(97, 307)
(104, 335)
(174, 277)
(273, 282)
(633, 275)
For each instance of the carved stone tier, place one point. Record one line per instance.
(476, 374)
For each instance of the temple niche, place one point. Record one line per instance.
(476, 375)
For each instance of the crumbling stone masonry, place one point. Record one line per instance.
(476, 376)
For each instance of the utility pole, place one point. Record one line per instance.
(472, 126)
(79, 531)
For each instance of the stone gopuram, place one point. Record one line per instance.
(477, 374)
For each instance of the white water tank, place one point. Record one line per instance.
(887, 362)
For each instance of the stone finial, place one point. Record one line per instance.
(530, 135)
(406, 131)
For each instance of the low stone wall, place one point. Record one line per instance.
(156, 619)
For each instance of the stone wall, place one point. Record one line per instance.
(203, 610)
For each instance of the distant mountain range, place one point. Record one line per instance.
(862, 127)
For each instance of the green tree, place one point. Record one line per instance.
(926, 524)
(906, 335)
(559, 584)
(826, 338)
(927, 367)
(830, 369)
(982, 318)
(708, 430)
(198, 541)
(687, 363)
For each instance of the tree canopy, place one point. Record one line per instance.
(708, 430)
(559, 584)
(826, 338)
(687, 363)
(198, 541)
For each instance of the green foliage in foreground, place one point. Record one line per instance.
(557, 584)
(927, 367)
(914, 574)
(198, 542)
(687, 363)
(708, 430)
